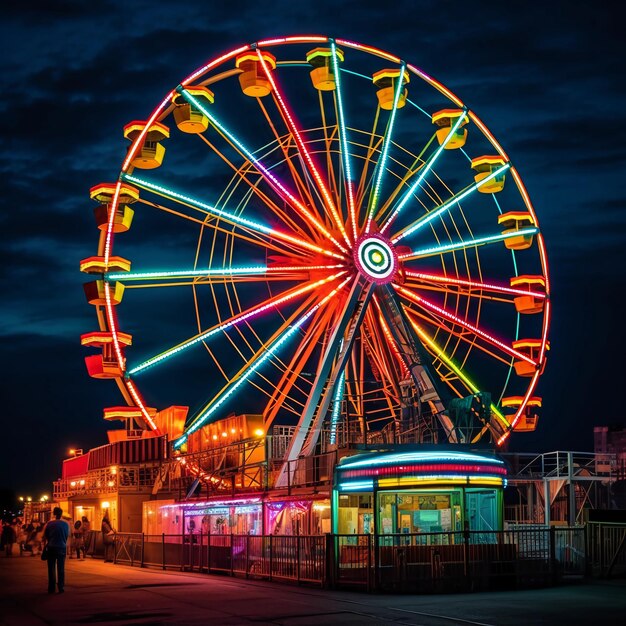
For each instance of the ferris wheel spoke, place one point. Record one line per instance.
(343, 139)
(447, 205)
(284, 334)
(311, 167)
(318, 327)
(464, 245)
(332, 363)
(424, 170)
(465, 337)
(243, 222)
(390, 340)
(285, 144)
(383, 354)
(276, 184)
(245, 171)
(210, 221)
(449, 363)
(224, 274)
(475, 330)
(467, 288)
(232, 322)
(382, 160)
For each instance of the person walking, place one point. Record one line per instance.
(108, 539)
(55, 536)
(78, 540)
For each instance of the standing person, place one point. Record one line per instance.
(86, 530)
(78, 542)
(9, 536)
(55, 535)
(108, 539)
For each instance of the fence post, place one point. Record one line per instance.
(208, 551)
(271, 555)
(201, 558)
(247, 554)
(163, 550)
(376, 562)
(369, 562)
(330, 555)
(232, 554)
(553, 572)
(601, 548)
(143, 546)
(587, 568)
(298, 549)
(466, 569)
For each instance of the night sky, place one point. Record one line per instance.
(547, 79)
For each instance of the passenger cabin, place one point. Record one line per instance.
(97, 265)
(188, 117)
(485, 166)
(534, 301)
(323, 74)
(386, 82)
(104, 194)
(530, 348)
(95, 292)
(105, 365)
(253, 80)
(149, 155)
(516, 224)
(527, 421)
(445, 121)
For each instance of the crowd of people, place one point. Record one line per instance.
(20, 538)
(56, 539)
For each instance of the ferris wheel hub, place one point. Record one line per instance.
(376, 258)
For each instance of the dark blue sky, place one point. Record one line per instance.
(547, 78)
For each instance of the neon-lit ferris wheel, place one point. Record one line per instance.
(320, 230)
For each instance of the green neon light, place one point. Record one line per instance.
(420, 223)
(237, 319)
(468, 244)
(425, 170)
(385, 152)
(344, 140)
(441, 355)
(228, 391)
(200, 205)
(224, 271)
(334, 420)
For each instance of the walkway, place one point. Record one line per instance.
(103, 593)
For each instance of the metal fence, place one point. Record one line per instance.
(606, 547)
(418, 563)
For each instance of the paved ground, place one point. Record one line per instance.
(103, 593)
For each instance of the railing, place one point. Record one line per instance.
(418, 563)
(123, 478)
(606, 546)
(560, 464)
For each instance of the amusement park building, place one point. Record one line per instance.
(226, 483)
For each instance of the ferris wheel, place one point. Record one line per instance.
(321, 232)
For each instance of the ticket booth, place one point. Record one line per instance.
(418, 491)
